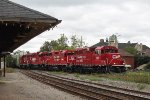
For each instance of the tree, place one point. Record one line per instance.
(76, 42)
(140, 60)
(131, 50)
(45, 47)
(62, 42)
(147, 67)
(10, 61)
(81, 43)
(54, 45)
(59, 44)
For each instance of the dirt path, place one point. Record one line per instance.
(19, 87)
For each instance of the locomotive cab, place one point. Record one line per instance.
(112, 58)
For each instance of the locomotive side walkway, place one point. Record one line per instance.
(19, 87)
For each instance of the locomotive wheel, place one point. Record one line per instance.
(88, 71)
(123, 69)
(117, 69)
(64, 69)
(104, 70)
(99, 70)
(80, 70)
(92, 71)
(108, 69)
(70, 70)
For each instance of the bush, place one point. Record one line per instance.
(140, 60)
(10, 61)
(147, 66)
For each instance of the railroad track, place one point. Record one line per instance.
(89, 90)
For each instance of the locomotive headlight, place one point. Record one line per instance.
(114, 63)
(62, 59)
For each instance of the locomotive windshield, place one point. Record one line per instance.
(105, 51)
(99, 51)
(110, 51)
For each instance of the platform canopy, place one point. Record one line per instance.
(19, 24)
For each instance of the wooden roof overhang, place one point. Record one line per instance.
(19, 24)
(14, 33)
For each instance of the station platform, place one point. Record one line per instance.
(16, 86)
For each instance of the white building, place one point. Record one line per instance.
(113, 41)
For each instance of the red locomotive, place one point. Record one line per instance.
(99, 59)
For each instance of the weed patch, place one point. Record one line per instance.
(140, 86)
(138, 77)
(77, 75)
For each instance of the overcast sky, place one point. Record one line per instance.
(93, 20)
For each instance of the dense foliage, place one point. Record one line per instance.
(62, 43)
(131, 50)
(11, 61)
(147, 67)
(140, 60)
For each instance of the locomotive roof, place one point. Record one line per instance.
(106, 47)
(45, 52)
(67, 51)
(85, 48)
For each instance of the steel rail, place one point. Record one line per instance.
(87, 89)
(71, 88)
(103, 85)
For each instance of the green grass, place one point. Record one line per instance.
(93, 78)
(137, 77)
(77, 75)
(90, 77)
(141, 86)
(58, 72)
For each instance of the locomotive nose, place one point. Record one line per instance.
(115, 59)
(115, 56)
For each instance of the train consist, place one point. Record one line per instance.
(99, 59)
